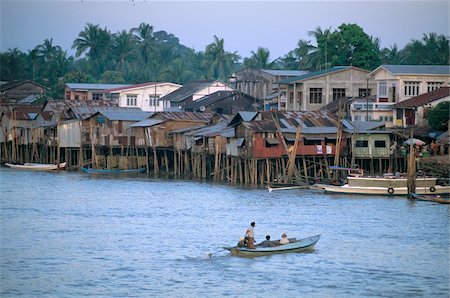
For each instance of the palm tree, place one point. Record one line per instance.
(95, 41)
(145, 39)
(260, 58)
(220, 62)
(177, 72)
(124, 46)
(320, 57)
(47, 50)
(302, 53)
(391, 55)
(34, 60)
(13, 65)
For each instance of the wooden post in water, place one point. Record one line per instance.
(411, 167)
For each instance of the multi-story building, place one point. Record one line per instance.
(315, 90)
(397, 83)
(88, 91)
(260, 83)
(145, 96)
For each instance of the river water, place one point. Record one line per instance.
(72, 235)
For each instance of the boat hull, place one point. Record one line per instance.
(389, 181)
(397, 191)
(304, 244)
(36, 166)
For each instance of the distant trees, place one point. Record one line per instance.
(439, 115)
(259, 59)
(220, 63)
(143, 54)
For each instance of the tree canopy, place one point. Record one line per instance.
(142, 54)
(439, 115)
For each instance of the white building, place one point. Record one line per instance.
(397, 83)
(145, 96)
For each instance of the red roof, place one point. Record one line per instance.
(424, 98)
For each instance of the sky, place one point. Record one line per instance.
(244, 25)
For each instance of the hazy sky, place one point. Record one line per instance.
(244, 25)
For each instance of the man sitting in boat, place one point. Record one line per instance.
(284, 239)
(267, 242)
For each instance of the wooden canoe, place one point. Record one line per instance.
(36, 166)
(294, 245)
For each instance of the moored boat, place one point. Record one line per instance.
(386, 185)
(112, 171)
(388, 191)
(36, 166)
(294, 245)
(432, 198)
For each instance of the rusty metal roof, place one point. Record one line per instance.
(185, 116)
(306, 118)
(261, 126)
(24, 112)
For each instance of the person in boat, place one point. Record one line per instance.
(284, 239)
(249, 234)
(267, 242)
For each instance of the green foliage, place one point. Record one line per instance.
(259, 59)
(439, 115)
(142, 55)
(112, 77)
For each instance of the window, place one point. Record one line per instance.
(338, 93)
(380, 144)
(131, 100)
(362, 144)
(97, 96)
(153, 99)
(68, 95)
(315, 95)
(382, 89)
(433, 86)
(77, 97)
(166, 104)
(364, 92)
(412, 88)
(291, 98)
(399, 114)
(299, 99)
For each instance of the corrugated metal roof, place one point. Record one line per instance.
(125, 114)
(415, 69)
(306, 118)
(367, 125)
(16, 83)
(285, 73)
(313, 74)
(147, 123)
(247, 116)
(260, 126)
(185, 116)
(187, 90)
(24, 112)
(210, 130)
(87, 86)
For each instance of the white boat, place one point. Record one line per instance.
(389, 191)
(386, 185)
(389, 181)
(36, 166)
